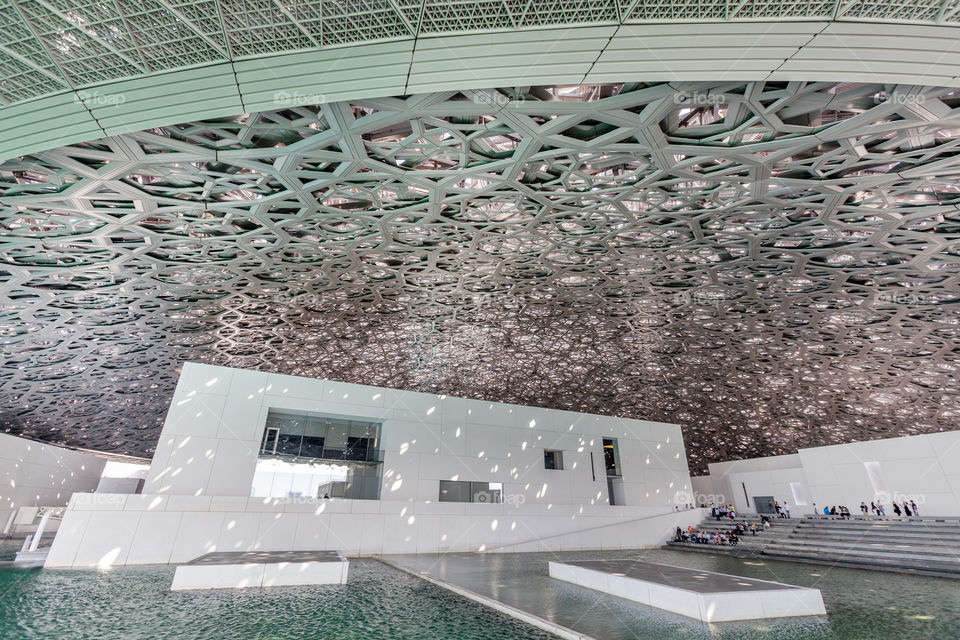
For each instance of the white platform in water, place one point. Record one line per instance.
(29, 559)
(704, 595)
(245, 569)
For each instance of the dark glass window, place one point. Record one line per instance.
(328, 438)
(357, 448)
(553, 460)
(288, 444)
(312, 447)
(462, 491)
(313, 455)
(611, 457)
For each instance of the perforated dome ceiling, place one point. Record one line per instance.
(770, 265)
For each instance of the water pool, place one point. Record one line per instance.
(381, 603)
(861, 605)
(134, 603)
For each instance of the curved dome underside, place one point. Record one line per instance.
(58, 45)
(770, 265)
(108, 68)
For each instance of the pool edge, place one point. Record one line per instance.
(524, 616)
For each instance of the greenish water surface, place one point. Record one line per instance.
(135, 603)
(381, 603)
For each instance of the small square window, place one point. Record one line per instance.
(553, 460)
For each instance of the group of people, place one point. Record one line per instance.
(782, 510)
(723, 511)
(908, 509)
(731, 536)
(876, 508)
(741, 528)
(841, 511)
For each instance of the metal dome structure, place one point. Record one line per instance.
(105, 68)
(768, 259)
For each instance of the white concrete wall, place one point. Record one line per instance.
(42, 475)
(102, 530)
(215, 424)
(196, 496)
(923, 468)
(779, 476)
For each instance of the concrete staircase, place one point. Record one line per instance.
(749, 545)
(926, 546)
(922, 546)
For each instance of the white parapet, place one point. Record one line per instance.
(704, 595)
(243, 570)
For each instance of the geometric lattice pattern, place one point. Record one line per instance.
(770, 265)
(54, 46)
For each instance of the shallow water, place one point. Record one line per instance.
(861, 605)
(378, 602)
(135, 603)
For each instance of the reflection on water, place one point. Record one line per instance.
(861, 605)
(134, 603)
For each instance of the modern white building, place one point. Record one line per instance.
(35, 475)
(734, 222)
(919, 468)
(256, 461)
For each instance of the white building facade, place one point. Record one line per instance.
(920, 468)
(245, 460)
(36, 474)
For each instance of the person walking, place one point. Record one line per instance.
(913, 505)
(906, 509)
(896, 509)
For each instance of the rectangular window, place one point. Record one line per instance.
(454, 491)
(611, 457)
(553, 460)
(303, 455)
(462, 491)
